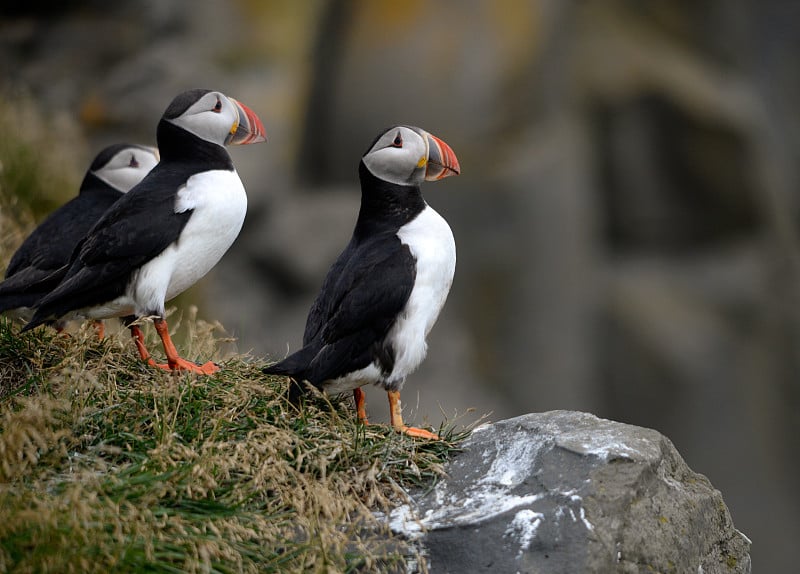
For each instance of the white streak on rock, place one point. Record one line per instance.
(523, 528)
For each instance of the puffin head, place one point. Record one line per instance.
(216, 118)
(124, 165)
(406, 155)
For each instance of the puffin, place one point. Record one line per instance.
(168, 231)
(382, 296)
(39, 263)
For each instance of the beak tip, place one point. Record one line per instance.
(444, 158)
(251, 129)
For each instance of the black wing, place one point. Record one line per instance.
(365, 290)
(321, 309)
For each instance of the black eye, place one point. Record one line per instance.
(398, 140)
(218, 107)
(133, 162)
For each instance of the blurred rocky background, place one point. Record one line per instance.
(627, 216)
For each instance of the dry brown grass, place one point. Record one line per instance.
(106, 464)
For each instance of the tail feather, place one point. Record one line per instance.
(281, 368)
(37, 319)
(47, 311)
(295, 366)
(82, 287)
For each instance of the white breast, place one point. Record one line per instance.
(431, 243)
(219, 203)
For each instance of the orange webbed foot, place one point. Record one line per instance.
(180, 364)
(397, 420)
(175, 362)
(419, 433)
(208, 368)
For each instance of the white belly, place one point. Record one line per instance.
(431, 243)
(219, 205)
(119, 307)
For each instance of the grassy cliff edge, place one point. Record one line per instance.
(106, 464)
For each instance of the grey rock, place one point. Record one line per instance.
(569, 492)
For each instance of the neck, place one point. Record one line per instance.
(385, 205)
(176, 144)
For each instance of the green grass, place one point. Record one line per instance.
(108, 464)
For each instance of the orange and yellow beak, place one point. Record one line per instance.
(442, 160)
(249, 129)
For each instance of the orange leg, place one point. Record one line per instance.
(176, 363)
(100, 328)
(397, 419)
(138, 338)
(361, 404)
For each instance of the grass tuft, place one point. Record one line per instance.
(108, 464)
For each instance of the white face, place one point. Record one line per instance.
(213, 117)
(128, 167)
(399, 156)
